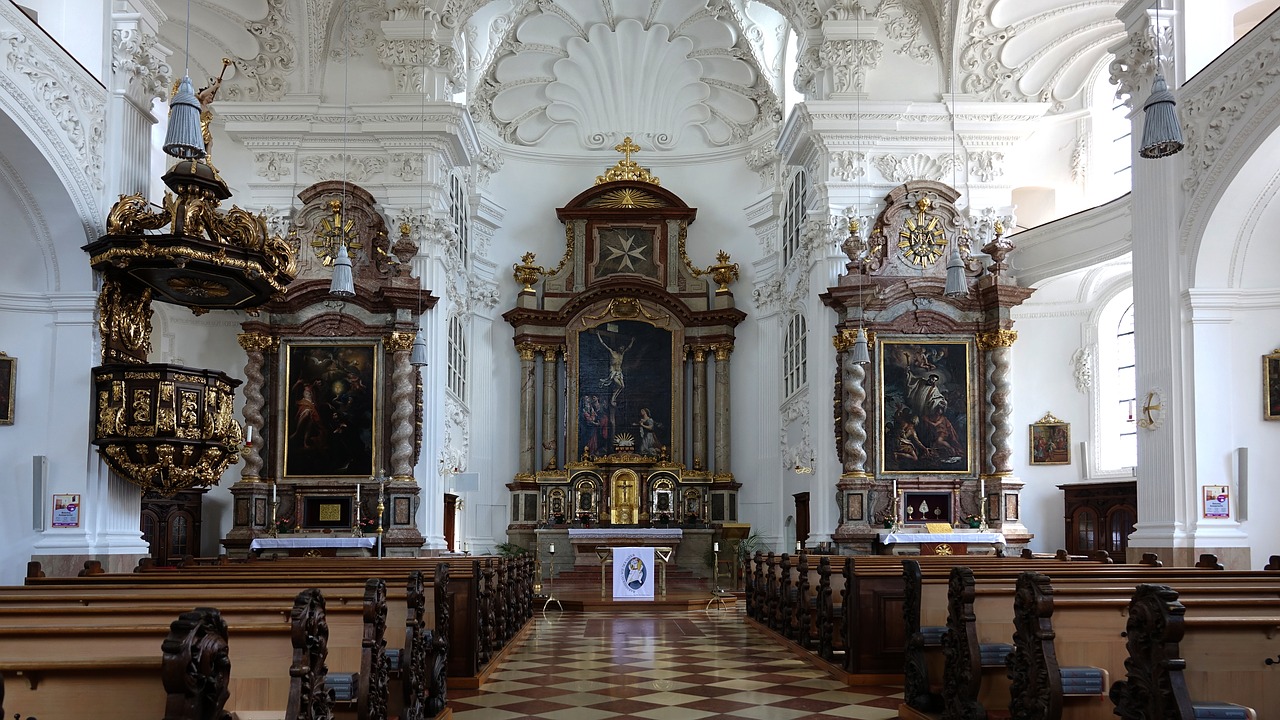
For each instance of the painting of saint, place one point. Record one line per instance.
(926, 407)
(624, 389)
(331, 394)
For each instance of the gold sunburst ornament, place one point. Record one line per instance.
(334, 230)
(627, 198)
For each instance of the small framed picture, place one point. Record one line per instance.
(1050, 441)
(8, 374)
(66, 510)
(1270, 386)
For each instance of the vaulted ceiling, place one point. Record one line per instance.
(676, 73)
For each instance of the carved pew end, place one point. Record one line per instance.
(1209, 561)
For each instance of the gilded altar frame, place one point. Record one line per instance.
(331, 402)
(927, 404)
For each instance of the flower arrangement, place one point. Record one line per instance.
(973, 521)
(286, 525)
(368, 524)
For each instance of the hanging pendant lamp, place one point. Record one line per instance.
(957, 284)
(342, 284)
(418, 354)
(183, 139)
(1161, 132)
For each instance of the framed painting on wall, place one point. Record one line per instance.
(624, 390)
(926, 405)
(1050, 441)
(1271, 385)
(331, 397)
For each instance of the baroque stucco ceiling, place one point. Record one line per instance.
(677, 73)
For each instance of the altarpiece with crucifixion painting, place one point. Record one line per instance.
(624, 363)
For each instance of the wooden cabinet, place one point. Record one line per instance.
(1100, 516)
(171, 526)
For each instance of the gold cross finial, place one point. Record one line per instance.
(626, 147)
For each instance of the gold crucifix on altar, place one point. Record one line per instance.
(627, 169)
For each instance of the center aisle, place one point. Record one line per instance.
(661, 666)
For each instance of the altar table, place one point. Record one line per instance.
(960, 542)
(314, 546)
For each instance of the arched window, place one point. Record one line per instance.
(1126, 407)
(794, 358)
(1116, 407)
(458, 216)
(457, 358)
(793, 216)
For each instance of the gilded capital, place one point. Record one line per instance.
(549, 352)
(996, 339)
(699, 353)
(260, 342)
(399, 341)
(527, 351)
(722, 351)
(843, 340)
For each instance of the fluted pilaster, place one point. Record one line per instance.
(699, 414)
(722, 409)
(528, 397)
(403, 385)
(550, 426)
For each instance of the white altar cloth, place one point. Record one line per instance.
(625, 533)
(280, 543)
(992, 538)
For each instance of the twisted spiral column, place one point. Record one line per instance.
(997, 350)
(854, 452)
(722, 351)
(255, 347)
(403, 386)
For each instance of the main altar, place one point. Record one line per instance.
(630, 331)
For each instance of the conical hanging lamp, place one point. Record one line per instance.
(1161, 132)
(183, 138)
(418, 354)
(957, 284)
(342, 285)
(860, 353)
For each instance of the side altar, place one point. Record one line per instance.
(632, 332)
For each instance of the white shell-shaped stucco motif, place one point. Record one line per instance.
(596, 90)
(653, 70)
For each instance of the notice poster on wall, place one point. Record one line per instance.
(1217, 500)
(66, 510)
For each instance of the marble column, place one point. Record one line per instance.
(699, 415)
(256, 346)
(997, 354)
(853, 376)
(403, 387)
(528, 397)
(722, 351)
(550, 426)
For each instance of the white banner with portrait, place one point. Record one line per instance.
(633, 571)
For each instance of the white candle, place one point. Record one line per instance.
(895, 487)
(715, 547)
(273, 492)
(798, 546)
(552, 549)
(357, 493)
(248, 435)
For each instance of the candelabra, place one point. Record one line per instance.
(551, 573)
(382, 507)
(718, 594)
(275, 507)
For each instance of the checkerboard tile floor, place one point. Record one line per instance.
(661, 666)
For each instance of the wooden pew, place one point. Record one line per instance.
(101, 632)
(1078, 622)
(478, 588)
